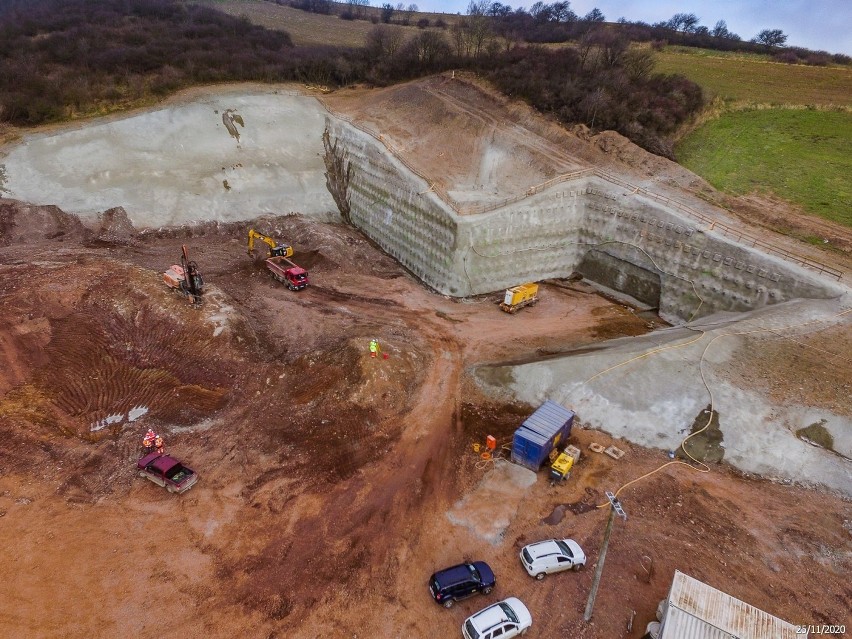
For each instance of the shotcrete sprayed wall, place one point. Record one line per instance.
(629, 241)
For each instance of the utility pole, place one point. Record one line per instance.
(614, 508)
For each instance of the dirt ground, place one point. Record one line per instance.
(326, 475)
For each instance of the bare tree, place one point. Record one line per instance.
(720, 30)
(409, 11)
(771, 38)
(638, 63)
(429, 46)
(382, 42)
(561, 11)
(686, 22)
(595, 15)
(479, 25)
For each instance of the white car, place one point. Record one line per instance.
(553, 555)
(504, 620)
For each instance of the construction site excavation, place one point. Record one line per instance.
(356, 338)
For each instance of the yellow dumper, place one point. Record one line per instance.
(519, 296)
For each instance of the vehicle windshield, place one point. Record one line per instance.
(509, 612)
(471, 631)
(564, 548)
(475, 573)
(527, 556)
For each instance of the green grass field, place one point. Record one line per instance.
(754, 79)
(801, 155)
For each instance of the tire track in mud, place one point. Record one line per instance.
(116, 357)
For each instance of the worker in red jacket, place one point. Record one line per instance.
(148, 442)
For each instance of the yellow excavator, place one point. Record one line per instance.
(275, 249)
(282, 269)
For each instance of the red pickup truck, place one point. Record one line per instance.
(167, 472)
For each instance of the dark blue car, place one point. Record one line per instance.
(451, 584)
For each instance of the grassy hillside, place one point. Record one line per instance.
(801, 155)
(755, 79)
(307, 28)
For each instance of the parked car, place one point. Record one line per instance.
(458, 582)
(504, 620)
(167, 471)
(553, 555)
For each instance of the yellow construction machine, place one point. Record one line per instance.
(282, 269)
(519, 296)
(275, 249)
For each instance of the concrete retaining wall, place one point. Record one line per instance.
(548, 234)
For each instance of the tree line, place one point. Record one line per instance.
(64, 58)
(556, 22)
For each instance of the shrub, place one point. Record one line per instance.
(818, 59)
(786, 57)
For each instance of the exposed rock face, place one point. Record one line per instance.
(116, 227)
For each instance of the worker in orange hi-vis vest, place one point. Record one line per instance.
(160, 444)
(148, 442)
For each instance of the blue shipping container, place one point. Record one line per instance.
(542, 431)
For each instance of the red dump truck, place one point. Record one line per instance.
(286, 272)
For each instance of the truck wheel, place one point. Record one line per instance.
(577, 567)
(448, 603)
(540, 576)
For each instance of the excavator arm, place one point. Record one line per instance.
(275, 249)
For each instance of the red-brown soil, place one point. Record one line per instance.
(326, 475)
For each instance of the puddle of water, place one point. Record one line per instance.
(556, 516)
(136, 412)
(116, 418)
(106, 421)
(707, 445)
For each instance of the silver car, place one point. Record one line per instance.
(553, 555)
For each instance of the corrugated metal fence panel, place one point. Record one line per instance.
(699, 611)
(549, 418)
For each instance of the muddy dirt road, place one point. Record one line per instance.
(326, 475)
